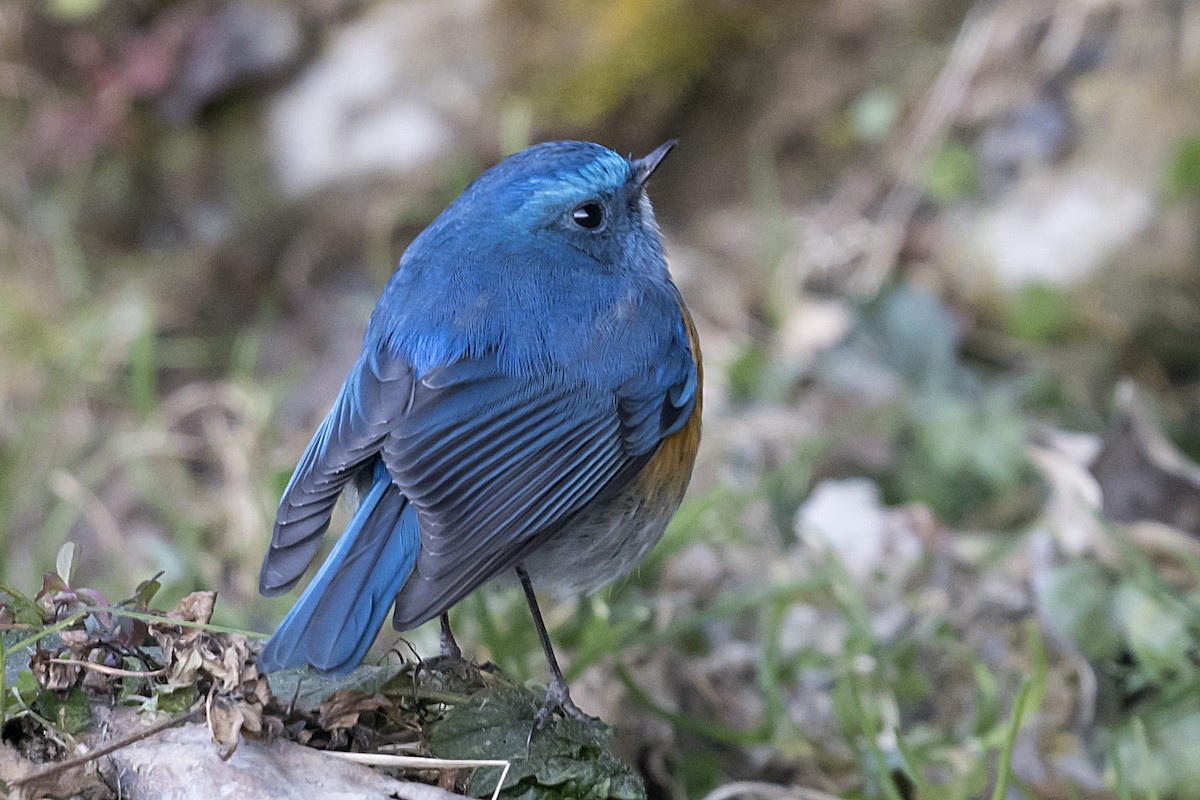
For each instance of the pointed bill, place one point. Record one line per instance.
(643, 168)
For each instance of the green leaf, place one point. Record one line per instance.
(910, 332)
(987, 699)
(746, 374)
(1076, 601)
(1159, 639)
(145, 593)
(67, 561)
(172, 700)
(70, 713)
(1155, 754)
(568, 759)
(26, 687)
(24, 608)
(1042, 313)
(954, 173)
(309, 689)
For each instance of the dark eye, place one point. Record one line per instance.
(590, 215)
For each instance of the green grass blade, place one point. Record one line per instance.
(1004, 769)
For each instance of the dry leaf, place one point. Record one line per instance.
(225, 720)
(342, 708)
(196, 607)
(1143, 476)
(51, 673)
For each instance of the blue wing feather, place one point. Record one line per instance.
(332, 625)
(372, 399)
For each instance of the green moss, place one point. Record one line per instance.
(631, 49)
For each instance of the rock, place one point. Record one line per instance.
(1056, 228)
(242, 41)
(182, 763)
(388, 97)
(846, 517)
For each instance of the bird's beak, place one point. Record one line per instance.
(643, 168)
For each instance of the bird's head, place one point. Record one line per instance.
(548, 257)
(574, 198)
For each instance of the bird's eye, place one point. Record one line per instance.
(590, 215)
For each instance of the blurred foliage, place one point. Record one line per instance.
(1042, 313)
(74, 10)
(629, 52)
(1141, 635)
(962, 456)
(954, 173)
(959, 443)
(1184, 178)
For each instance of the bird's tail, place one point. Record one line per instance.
(334, 622)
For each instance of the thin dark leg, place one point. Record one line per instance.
(450, 648)
(558, 696)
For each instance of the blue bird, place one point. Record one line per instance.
(527, 397)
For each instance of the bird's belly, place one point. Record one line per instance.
(601, 544)
(606, 540)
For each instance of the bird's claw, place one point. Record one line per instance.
(558, 700)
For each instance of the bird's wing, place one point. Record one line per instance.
(374, 396)
(493, 462)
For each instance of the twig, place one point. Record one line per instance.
(439, 696)
(77, 761)
(944, 99)
(169, 622)
(421, 762)
(107, 670)
(769, 791)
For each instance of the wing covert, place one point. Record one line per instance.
(373, 397)
(493, 462)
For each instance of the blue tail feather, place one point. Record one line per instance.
(336, 619)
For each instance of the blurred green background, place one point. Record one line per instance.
(925, 242)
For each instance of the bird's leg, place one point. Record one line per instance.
(450, 648)
(558, 696)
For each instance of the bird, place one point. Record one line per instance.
(527, 400)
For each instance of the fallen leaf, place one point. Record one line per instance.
(342, 708)
(1141, 474)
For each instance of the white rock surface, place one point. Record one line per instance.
(182, 764)
(847, 518)
(387, 97)
(1056, 228)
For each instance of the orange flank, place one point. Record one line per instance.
(665, 476)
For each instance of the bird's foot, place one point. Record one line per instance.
(558, 700)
